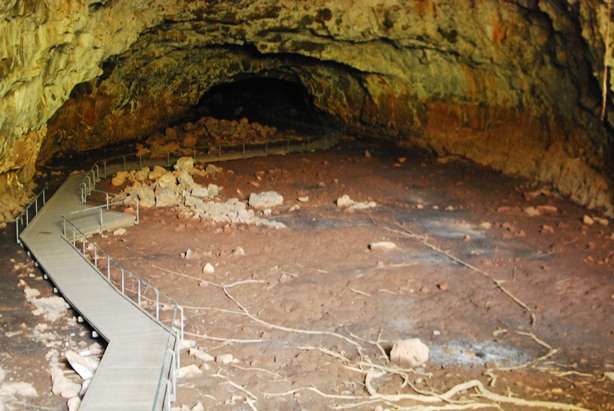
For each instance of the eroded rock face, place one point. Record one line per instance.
(514, 85)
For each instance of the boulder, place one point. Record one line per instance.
(185, 164)
(157, 172)
(119, 179)
(166, 197)
(409, 353)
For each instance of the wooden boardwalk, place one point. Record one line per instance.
(136, 356)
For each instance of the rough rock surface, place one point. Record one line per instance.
(515, 85)
(409, 353)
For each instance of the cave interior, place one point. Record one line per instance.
(376, 205)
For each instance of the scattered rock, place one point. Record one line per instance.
(532, 211)
(84, 366)
(166, 197)
(443, 286)
(119, 179)
(238, 252)
(208, 268)
(187, 254)
(547, 229)
(201, 355)
(588, 220)
(266, 199)
(347, 203)
(142, 174)
(12, 389)
(74, 404)
(485, 225)
(52, 308)
(63, 386)
(382, 246)
(601, 221)
(190, 371)
(185, 164)
(547, 209)
(119, 232)
(609, 375)
(225, 359)
(303, 199)
(409, 353)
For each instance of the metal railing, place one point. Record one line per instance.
(157, 305)
(29, 212)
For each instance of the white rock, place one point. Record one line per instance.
(382, 246)
(485, 225)
(213, 169)
(588, 220)
(74, 404)
(609, 375)
(119, 231)
(409, 353)
(201, 355)
(208, 268)
(62, 385)
(602, 221)
(238, 252)
(185, 164)
(167, 180)
(225, 359)
(266, 199)
(51, 307)
(166, 197)
(187, 254)
(303, 199)
(142, 174)
(198, 407)
(532, 211)
(347, 203)
(84, 366)
(191, 371)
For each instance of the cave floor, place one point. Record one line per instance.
(318, 274)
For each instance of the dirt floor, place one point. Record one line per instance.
(309, 311)
(292, 310)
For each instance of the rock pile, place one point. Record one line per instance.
(207, 131)
(159, 187)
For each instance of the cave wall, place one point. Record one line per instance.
(514, 85)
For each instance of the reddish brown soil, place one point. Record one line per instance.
(318, 274)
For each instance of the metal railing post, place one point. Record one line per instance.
(44, 196)
(123, 279)
(95, 256)
(157, 303)
(138, 212)
(100, 215)
(36, 206)
(64, 226)
(107, 199)
(138, 291)
(109, 267)
(27, 215)
(17, 229)
(243, 149)
(83, 245)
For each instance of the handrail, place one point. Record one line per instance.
(42, 195)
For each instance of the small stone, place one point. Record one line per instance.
(303, 199)
(609, 375)
(225, 359)
(532, 211)
(382, 246)
(601, 221)
(190, 371)
(119, 232)
(443, 286)
(485, 225)
(367, 154)
(201, 355)
(588, 220)
(294, 208)
(238, 252)
(547, 229)
(187, 254)
(73, 404)
(208, 268)
(265, 200)
(547, 209)
(409, 353)
(436, 333)
(185, 164)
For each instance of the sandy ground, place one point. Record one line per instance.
(319, 275)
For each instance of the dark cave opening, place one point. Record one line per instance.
(279, 103)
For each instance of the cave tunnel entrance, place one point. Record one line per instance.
(283, 104)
